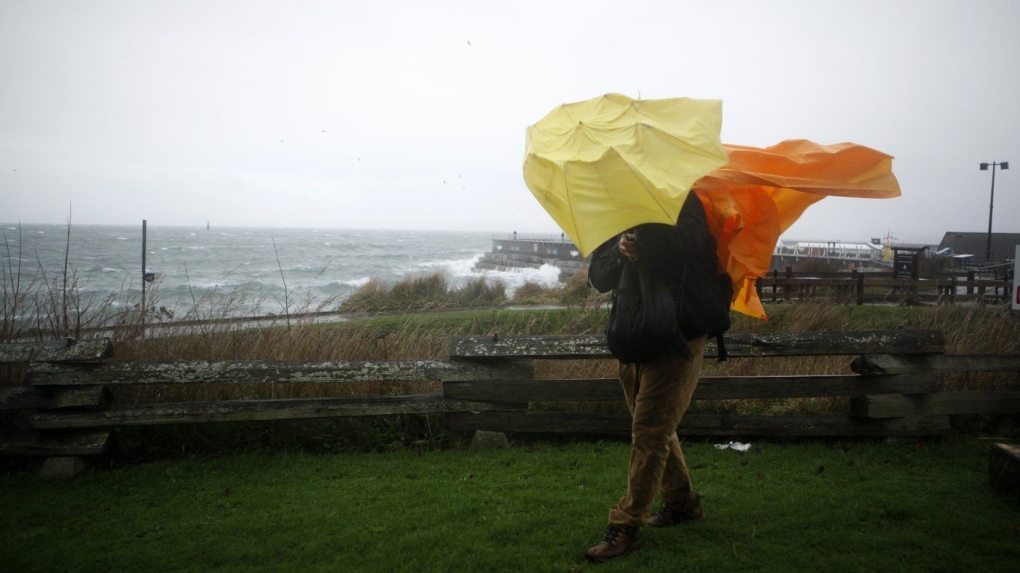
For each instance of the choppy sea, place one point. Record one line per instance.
(243, 269)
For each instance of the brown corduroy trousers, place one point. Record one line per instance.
(658, 394)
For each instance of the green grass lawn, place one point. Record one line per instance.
(808, 506)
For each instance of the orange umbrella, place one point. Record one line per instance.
(753, 199)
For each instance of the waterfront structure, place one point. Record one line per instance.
(851, 254)
(521, 251)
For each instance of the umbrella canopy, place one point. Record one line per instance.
(753, 199)
(602, 166)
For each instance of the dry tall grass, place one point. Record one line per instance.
(969, 330)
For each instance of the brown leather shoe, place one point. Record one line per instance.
(620, 540)
(667, 516)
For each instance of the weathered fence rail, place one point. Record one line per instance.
(870, 288)
(489, 383)
(900, 343)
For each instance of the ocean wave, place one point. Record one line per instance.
(456, 267)
(356, 283)
(208, 285)
(546, 275)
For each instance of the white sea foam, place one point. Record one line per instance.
(546, 275)
(357, 283)
(456, 268)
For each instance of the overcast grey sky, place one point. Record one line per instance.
(410, 114)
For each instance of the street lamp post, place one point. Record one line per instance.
(991, 202)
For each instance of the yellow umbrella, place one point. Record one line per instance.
(602, 166)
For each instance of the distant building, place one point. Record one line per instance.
(973, 247)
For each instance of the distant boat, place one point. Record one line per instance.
(207, 225)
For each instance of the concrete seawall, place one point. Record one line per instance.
(519, 251)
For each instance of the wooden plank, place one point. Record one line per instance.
(737, 345)
(808, 386)
(938, 403)
(34, 397)
(80, 397)
(701, 424)
(836, 343)
(583, 346)
(578, 390)
(540, 422)
(709, 388)
(30, 443)
(256, 410)
(62, 351)
(238, 372)
(868, 364)
(22, 397)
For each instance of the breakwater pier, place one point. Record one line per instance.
(531, 251)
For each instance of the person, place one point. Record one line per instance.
(658, 391)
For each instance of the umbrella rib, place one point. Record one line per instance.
(570, 205)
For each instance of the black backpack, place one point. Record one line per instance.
(642, 320)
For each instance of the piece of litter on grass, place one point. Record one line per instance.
(734, 445)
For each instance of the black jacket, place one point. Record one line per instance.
(684, 256)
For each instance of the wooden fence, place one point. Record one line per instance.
(67, 409)
(882, 287)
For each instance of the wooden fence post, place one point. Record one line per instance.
(786, 291)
